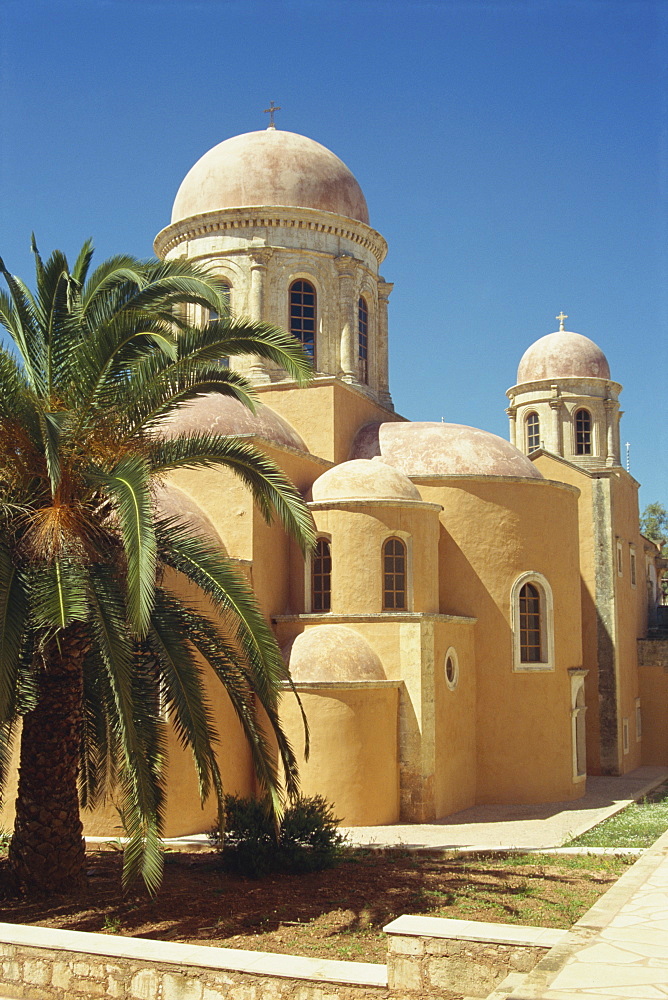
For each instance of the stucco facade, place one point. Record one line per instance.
(467, 630)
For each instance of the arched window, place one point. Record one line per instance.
(213, 317)
(321, 576)
(530, 630)
(532, 614)
(394, 575)
(583, 432)
(363, 340)
(532, 432)
(302, 315)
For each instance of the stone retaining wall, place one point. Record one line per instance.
(427, 954)
(40, 963)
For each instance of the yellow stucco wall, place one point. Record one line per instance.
(492, 531)
(357, 533)
(353, 760)
(327, 415)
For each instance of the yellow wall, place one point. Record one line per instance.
(358, 532)
(353, 760)
(492, 531)
(327, 415)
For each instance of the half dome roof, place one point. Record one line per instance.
(220, 414)
(270, 168)
(440, 449)
(562, 355)
(363, 480)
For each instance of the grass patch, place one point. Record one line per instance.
(639, 825)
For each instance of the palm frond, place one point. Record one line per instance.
(14, 609)
(271, 489)
(128, 487)
(7, 734)
(59, 594)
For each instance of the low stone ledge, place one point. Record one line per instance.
(428, 954)
(43, 963)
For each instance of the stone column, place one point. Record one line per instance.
(512, 419)
(345, 266)
(612, 415)
(381, 346)
(257, 371)
(556, 429)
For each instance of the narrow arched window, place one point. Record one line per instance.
(394, 575)
(321, 576)
(533, 432)
(302, 315)
(363, 340)
(224, 362)
(530, 624)
(583, 432)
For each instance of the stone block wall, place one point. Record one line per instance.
(431, 965)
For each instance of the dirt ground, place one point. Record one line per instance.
(337, 913)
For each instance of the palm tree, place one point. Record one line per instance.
(94, 637)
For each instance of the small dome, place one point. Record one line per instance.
(270, 168)
(364, 480)
(173, 502)
(563, 355)
(332, 653)
(227, 415)
(431, 449)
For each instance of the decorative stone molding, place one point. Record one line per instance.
(210, 223)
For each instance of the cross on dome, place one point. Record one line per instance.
(561, 317)
(270, 111)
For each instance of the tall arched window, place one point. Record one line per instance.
(363, 340)
(394, 575)
(530, 624)
(532, 614)
(532, 432)
(303, 315)
(583, 432)
(321, 576)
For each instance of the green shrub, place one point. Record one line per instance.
(306, 840)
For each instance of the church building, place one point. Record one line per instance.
(466, 630)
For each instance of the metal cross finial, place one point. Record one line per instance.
(561, 317)
(270, 111)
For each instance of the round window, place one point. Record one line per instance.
(451, 669)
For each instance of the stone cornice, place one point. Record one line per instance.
(330, 618)
(269, 217)
(348, 503)
(569, 384)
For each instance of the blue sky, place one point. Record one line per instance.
(513, 153)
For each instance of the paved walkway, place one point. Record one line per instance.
(619, 949)
(531, 826)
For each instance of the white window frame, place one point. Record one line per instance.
(633, 565)
(546, 623)
(620, 558)
(451, 654)
(638, 721)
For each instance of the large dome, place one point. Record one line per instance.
(560, 355)
(431, 449)
(270, 168)
(220, 414)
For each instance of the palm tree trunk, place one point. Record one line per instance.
(47, 849)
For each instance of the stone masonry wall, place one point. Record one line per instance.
(428, 965)
(48, 974)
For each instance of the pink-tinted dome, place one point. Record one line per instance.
(270, 168)
(332, 653)
(560, 355)
(363, 480)
(431, 449)
(226, 415)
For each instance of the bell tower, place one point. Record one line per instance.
(565, 402)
